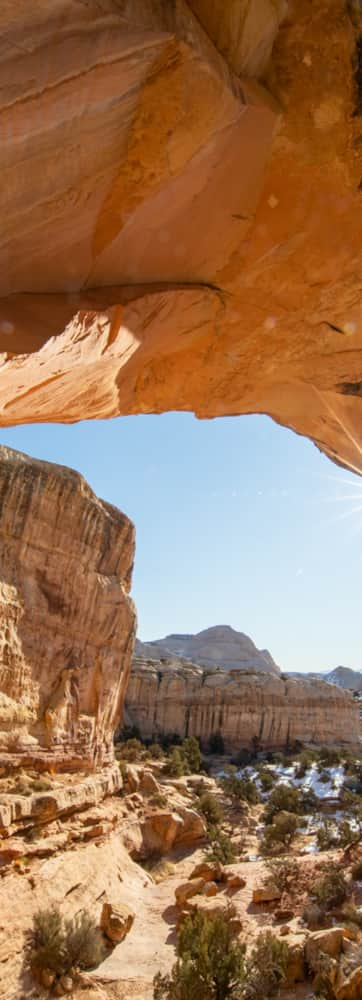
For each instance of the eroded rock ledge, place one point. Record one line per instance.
(66, 621)
(182, 212)
(248, 708)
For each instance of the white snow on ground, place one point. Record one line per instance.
(312, 779)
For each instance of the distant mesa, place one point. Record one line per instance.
(217, 647)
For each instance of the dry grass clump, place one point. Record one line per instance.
(59, 946)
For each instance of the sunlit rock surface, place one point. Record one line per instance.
(66, 620)
(249, 708)
(182, 212)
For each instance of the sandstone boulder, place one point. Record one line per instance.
(296, 969)
(234, 881)
(349, 987)
(149, 784)
(266, 894)
(132, 780)
(215, 906)
(116, 921)
(184, 891)
(160, 830)
(193, 827)
(325, 942)
(210, 871)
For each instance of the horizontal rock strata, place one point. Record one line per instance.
(66, 620)
(248, 708)
(181, 212)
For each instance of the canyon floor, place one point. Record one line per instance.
(135, 836)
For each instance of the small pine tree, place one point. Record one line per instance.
(192, 752)
(210, 963)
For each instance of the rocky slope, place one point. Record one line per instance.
(181, 207)
(66, 620)
(219, 646)
(247, 707)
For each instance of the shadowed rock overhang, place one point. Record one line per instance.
(181, 208)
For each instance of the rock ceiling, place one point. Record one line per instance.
(181, 208)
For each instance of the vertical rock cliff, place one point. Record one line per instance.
(67, 623)
(248, 707)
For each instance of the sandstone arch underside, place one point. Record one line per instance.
(181, 206)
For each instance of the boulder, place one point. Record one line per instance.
(116, 921)
(160, 830)
(296, 969)
(220, 905)
(234, 881)
(210, 871)
(210, 889)
(149, 785)
(328, 942)
(184, 891)
(132, 779)
(266, 893)
(349, 987)
(193, 827)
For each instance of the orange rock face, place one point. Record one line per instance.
(182, 212)
(244, 706)
(66, 620)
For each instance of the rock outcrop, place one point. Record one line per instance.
(66, 621)
(248, 708)
(219, 646)
(181, 212)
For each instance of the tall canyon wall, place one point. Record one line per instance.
(247, 707)
(67, 623)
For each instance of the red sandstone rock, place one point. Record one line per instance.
(182, 213)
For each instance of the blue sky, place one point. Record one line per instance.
(238, 522)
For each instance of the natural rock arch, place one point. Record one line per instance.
(181, 212)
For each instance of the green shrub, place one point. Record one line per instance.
(283, 873)
(284, 798)
(309, 801)
(330, 756)
(155, 750)
(210, 963)
(42, 784)
(220, 848)
(330, 889)
(211, 808)
(240, 789)
(60, 945)
(326, 836)
(352, 915)
(279, 833)
(159, 800)
(131, 750)
(265, 970)
(243, 758)
(192, 753)
(313, 916)
(176, 764)
(267, 780)
(216, 743)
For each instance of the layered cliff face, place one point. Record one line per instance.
(248, 708)
(218, 646)
(181, 212)
(66, 620)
